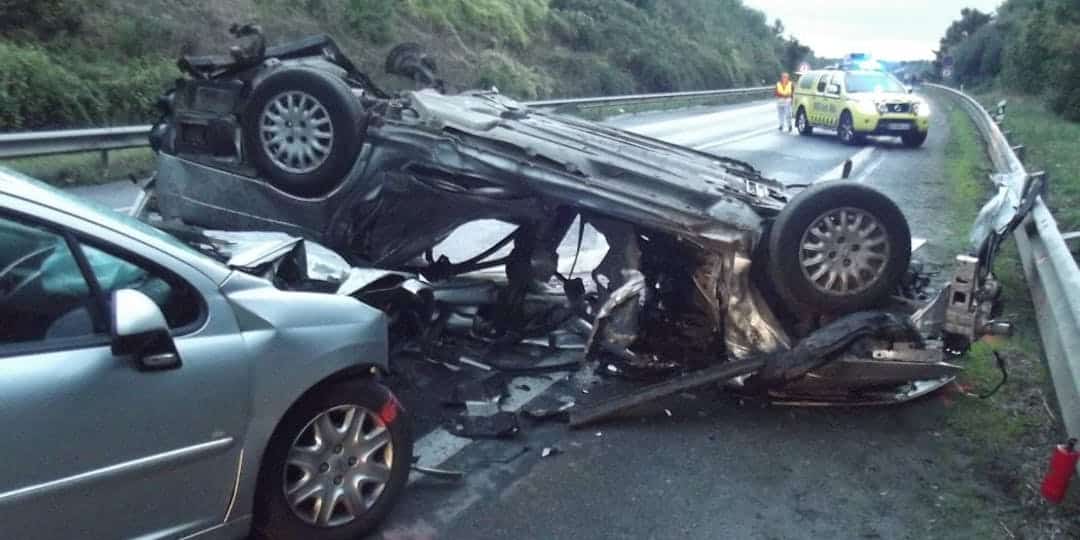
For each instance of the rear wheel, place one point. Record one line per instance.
(802, 123)
(303, 129)
(913, 140)
(335, 466)
(838, 247)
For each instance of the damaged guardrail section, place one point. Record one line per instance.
(1051, 270)
(44, 143)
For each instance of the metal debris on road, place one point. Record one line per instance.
(501, 425)
(474, 363)
(442, 474)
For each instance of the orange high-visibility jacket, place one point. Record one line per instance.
(784, 90)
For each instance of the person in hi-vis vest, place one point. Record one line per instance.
(784, 90)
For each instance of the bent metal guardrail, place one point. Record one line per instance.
(1051, 270)
(44, 143)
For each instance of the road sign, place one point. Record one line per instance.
(947, 61)
(804, 67)
(946, 73)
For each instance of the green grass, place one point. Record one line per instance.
(1052, 144)
(992, 423)
(1004, 436)
(83, 169)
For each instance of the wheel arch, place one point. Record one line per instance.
(243, 502)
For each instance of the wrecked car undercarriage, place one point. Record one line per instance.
(703, 262)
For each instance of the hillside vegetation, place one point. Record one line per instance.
(1028, 46)
(68, 63)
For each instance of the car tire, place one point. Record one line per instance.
(838, 229)
(276, 518)
(303, 129)
(802, 123)
(913, 140)
(845, 129)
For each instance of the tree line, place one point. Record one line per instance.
(72, 63)
(1028, 46)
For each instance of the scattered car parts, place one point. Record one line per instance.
(708, 264)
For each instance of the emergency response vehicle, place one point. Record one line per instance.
(858, 103)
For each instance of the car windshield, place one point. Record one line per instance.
(42, 192)
(872, 82)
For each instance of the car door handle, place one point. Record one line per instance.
(161, 361)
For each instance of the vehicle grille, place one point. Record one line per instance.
(898, 107)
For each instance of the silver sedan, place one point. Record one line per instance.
(149, 391)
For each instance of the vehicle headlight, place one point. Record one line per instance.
(866, 107)
(882, 108)
(921, 109)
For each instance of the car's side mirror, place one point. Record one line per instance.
(139, 329)
(909, 89)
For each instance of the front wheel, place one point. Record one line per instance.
(913, 140)
(846, 130)
(838, 247)
(335, 466)
(802, 123)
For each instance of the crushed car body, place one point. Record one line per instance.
(707, 261)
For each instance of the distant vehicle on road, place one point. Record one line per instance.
(860, 103)
(150, 391)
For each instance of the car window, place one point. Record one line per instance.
(823, 83)
(43, 294)
(872, 82)
(807, 82)
(178, 301)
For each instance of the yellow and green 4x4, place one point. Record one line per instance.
(859, 103)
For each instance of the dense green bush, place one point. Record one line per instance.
(42, 18)
(1031, 46)
(74, 63)
(39, 89)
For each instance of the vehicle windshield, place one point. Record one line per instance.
(42, 192)
(872, 82)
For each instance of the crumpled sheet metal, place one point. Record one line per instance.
(820, 347)
(750, 327)
(609, 320)
(253, 249)
(998, 213)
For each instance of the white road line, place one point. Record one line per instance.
(857, 160)
(123, 209)
(870, 169)
(735, 139)
(440, 445)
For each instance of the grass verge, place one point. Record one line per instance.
(68, 170)
(1008, 435)
(1052, 144)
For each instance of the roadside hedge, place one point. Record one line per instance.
(40, 89)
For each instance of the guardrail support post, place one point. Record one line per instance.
(1020, 152)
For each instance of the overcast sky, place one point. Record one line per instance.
(906, 30)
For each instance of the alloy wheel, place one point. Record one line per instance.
(296, 132)
(338, 466)
(844, 251)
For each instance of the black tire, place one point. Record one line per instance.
(346, 120)
(845, 129)
(913, 140)
(274, 519)
(890, 248)
(802, 123)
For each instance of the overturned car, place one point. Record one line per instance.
(706, 261)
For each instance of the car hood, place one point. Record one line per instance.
(890, 97)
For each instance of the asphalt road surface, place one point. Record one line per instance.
(701, 465)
